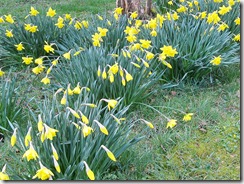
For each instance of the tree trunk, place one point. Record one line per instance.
(143, 7)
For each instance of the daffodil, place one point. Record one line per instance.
(145, 43)
(31, 153)
(45, 80)
(77, 89)
(28, 137)
(56, 165)
(109, 153)
(167, 64)
(67, 55)
(2, 20)
(172, 123)
(134, 15)
(33, 12)
(111, 103)
(128, 76)
(84, 119)
(104, 74)
(103, 129)
(19, 47)
(123, 81)
(203, 15)
(38, 69)
(237, 37)
(86, 130)
(9, 33)
(136, 65)
(223, 9)
(148, 123)
(33, 29)
(68, 17)
(216, 60)
(102, 31)
(213, 18)
(49, 132)
(3, 175)
(64, 99)
(43, 173)
(169, 51)
(85, 23)
(99, 71)
(40, 123)
(153, 33)
(55, 154)
(118, 10)
(222, 27)
(114, 68)
(149, 56)
(1, 72)
(9, 19)
(60, 24)
(117, 120)
(89, 172)
(48, 48)
(55, 62)
(51, 12)
(181, 9)
(27, 60)
(237, 21)
(78, 25)
(187, 117)
(13, 138)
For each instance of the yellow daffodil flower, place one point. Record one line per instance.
(187, 117)
(145, 43)
(19, 47)
(9, 33)
(111, 103)
(55, 154)
(86, 130)
(1, 72)
(48, 48)
(172, 123)
(43, 173)
(33, 12)
(67, 55)
(9, 19)
(51, 12)
(102, 31)
(45, 80)
(89, 172)
(49, 132)
(237, 37)
(28, 137)
(3, 175)
(216, 60)
(30, 153)
(13, 138)
(109, 153)
(103, 129)
(213, 18)
(56, 165)
(169, 51)
(237, 21)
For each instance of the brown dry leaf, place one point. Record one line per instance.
(173, 93)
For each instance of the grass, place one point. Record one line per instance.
(77, 8)
(205, 148)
